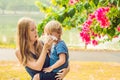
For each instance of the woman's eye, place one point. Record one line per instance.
(32, 29)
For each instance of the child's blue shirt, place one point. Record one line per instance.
(57, 49)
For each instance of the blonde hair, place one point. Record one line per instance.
(53, 26)
(23, 40)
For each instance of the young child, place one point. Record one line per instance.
(59, 51)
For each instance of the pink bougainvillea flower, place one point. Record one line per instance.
(94, 42)
(89, 22)
(116, 36)
(72, 2)
(106, 9)
(85, 37)
(94, 34)
(99, 36)
(76, 0)
(100, 15)
(91, 16)
(118, 28)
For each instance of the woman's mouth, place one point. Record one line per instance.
(35, 36)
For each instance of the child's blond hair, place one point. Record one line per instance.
(53, 26)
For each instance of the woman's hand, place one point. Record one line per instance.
(48, 43)
(62, 73)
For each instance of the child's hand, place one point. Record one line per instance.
(48, 69)
(54, 38)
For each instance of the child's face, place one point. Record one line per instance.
(57, 35)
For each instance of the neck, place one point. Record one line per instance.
(57, 41)
(32, 47)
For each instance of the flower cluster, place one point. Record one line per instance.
(100, 16)
(72, 2)
(85, 33)
(118, 28)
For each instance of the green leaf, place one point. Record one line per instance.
(118, 21)
(87, 5)
(58, 2)
(40, 28)
(115, 2)
(118, 5)
(111, 1)
(61, 17)
(103, 2)
(105, 30)
(79, 7)
(96, 2)
(111, 32)
(71, 12)
(43, 7)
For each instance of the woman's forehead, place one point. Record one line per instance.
(32, 25)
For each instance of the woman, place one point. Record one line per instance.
(31, 52)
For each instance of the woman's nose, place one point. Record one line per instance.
(36, 31)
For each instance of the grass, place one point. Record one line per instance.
(78, 71)
(12, 71)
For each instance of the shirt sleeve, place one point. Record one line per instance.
(61, 48)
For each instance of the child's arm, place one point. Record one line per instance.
(61, 61)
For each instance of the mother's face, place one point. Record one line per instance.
(32, 32)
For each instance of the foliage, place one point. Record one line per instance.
(74, 14)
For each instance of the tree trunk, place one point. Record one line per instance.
(85, 46)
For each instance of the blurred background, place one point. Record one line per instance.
(100, 62)
(12, 10)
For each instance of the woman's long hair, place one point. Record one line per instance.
(23, 40)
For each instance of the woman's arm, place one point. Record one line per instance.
(37, 64)
(62, 73)
(34, 64)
